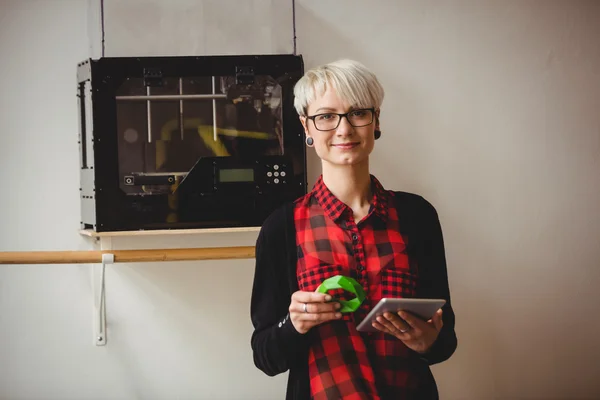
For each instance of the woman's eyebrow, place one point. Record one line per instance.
(325, 109)
(331, 109)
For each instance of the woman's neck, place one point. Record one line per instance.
(351, 184)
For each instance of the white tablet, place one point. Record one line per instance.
(424, 308)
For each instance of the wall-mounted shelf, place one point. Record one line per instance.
(91, 233)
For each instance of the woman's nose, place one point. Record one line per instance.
(344, 128)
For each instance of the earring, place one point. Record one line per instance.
(377, 134)
(309, 141)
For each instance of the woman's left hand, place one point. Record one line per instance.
(416, 333)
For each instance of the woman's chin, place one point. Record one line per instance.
(346, 161)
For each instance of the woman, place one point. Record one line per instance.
(388, 241)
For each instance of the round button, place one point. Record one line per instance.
(276, 180)
(354, 237)
(275, 167)
(269, 174)
(282, 173)
(276, 174)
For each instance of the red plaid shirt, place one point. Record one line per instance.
(342, 362)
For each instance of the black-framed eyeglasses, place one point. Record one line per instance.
(330, 121)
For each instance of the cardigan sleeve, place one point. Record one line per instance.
(275, 342)
(435, 282)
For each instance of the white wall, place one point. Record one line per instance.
(491, 113)
(175, 330)
(206, 27)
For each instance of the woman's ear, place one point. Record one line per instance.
(303, 121)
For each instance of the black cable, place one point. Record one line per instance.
(102, 22)
(294, 22)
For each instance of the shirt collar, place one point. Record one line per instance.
(335, 209)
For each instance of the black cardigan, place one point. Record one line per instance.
(278, 347)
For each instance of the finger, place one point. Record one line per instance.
(310, 297)
(393, 331)
(438, 322)
(319, 318)
(397, 322)
(380, 327)
(315, 307)
(387, 324)
(414, 322)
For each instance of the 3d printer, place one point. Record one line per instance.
(188, 142)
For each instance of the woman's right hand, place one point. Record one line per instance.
(309, 309)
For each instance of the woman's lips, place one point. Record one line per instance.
(345, 146)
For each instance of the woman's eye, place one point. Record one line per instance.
(324, 117)
(358, 113)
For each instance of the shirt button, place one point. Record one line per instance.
(361, 268)
(354, 237)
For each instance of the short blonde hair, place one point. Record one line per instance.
(354, 83)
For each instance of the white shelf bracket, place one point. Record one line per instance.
(100, 336)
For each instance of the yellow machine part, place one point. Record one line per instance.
(206, 133)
